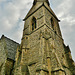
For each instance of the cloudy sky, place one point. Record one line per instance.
(12, 13)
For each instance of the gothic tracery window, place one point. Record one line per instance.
(34, 23)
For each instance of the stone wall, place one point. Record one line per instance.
(42, 49)
(3, 57)
(7, 55)
(39, 21)
(48, 17)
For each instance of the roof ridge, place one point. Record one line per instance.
(3, 36)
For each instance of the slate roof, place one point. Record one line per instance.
(10, 46)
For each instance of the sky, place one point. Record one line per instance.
(12, 13)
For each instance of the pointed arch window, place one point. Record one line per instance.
(34, 23)
(52, 23)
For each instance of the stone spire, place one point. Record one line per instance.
(41, 1)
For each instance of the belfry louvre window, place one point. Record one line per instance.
(52, 23)
(34, 23)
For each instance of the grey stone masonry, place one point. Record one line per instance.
(8, 49)
(42, 50)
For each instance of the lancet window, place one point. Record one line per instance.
(34, 23)
(52, 23)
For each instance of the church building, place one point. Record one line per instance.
(42, 50)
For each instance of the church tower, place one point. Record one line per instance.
(42, 49)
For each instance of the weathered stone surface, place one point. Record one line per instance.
(42, 50)
(7, 55)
